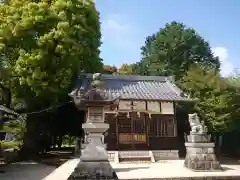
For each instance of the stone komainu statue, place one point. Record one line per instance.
(196, 125)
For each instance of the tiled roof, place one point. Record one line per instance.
(136, 87)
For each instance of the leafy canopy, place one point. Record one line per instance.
(45, 43)
(173, 50)
(218, 103)
(126, 69)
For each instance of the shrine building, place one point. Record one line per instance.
(144, 124)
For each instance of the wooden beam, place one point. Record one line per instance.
(146, 105)
(117, 134)
(145, 111)
(160, 106)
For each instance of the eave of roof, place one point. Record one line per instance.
(137, 87)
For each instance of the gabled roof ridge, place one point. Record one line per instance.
(137, 87)
(128, 77)
(174, 87)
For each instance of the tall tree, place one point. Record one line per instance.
(45, 44)
(173, 49)
(216, 98)
(107, 69)
(5, 78)
(233, 83)
(126, 69)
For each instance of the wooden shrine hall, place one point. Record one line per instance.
(145, 117)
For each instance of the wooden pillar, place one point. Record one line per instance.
(132, 124)
(117, 134)
(147, 123)
(175, 120)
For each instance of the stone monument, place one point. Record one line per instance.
(94, 162)
(200, 150)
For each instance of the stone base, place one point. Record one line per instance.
(94, 153)
(165, 155)
(201, 163)
(198, 138)
(93, 171)
(201, 157)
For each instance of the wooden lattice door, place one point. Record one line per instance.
(111, 138)
(132, 132)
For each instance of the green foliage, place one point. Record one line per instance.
(43, 47)
(180, 51)
(17, 127)
(234, 80)
(217, 100)
(173, 49)
(126, 69)
(45, 43)
(109, 69)
(68, 140)
(10, 145)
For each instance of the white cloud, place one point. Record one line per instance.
(117, 31)
(226, 66)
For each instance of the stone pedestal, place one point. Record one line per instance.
(93, 171)
(77, 150)
(200, 154)
(95, 150)
(94, 162)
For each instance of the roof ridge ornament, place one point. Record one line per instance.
(97, 80)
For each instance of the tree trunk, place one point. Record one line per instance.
(30, 143)
(7, 95)
(220, 143)
(59, 142)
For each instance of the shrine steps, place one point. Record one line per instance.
(135, 156)
(138, 156)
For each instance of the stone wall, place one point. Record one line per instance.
(165, 155)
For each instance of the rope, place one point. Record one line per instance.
(2, 108)
(48, 109)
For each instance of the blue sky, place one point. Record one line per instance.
(126, 23)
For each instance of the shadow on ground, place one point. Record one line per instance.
(129, 169)
(229, 161)
(36, 169)
(56, 158)
(26, 171)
